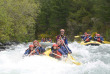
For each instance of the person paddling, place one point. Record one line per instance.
(83, 36)
(50, 40)
(29, 50)
(42, 39)
(56, 52)
(60, 44)
(38, 49)
(98, 38)
(62, 32)
(87, 38)
(64, 40)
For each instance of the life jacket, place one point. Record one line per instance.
(33, 50)
(38, 51)
(59, 46)
(32, 53)
(58, 53)
(50, 40)
(29, 51)
(44, 40)
(59, 37)
(35, 47)
(87, 39)
(98, 39)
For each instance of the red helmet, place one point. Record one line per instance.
(35, 41)
(55, 45)
(98, 34)
(31, 45)
(85, 33)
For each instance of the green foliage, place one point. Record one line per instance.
(76, 16)
(25, 20)
(17, 20)
(52, 16)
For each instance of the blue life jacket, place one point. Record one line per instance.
(65, 50)
(83, 36)
(27, 52)
(96, 38)
(87, 37)
(64, 38)
(39, 50)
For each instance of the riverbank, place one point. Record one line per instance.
(6, 45)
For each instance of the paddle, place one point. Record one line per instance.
(57, 55)
(73, 61)
(70, 56)
(76, 36)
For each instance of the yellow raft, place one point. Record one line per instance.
(106, 42)
(70, 58)
(94, 43)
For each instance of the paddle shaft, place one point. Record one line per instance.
(57, 55)
(65, 45)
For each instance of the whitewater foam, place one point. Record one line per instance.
(95, 60)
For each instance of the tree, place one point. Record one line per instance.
(18, 20)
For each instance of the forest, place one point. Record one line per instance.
(26, 20)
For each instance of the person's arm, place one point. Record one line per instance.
(85, 38)
(101, 38)
(26, 52)
(52, 48)
(90, 37)
(64, 49)
(32, 52)
(51, 51)
(61, 51)
(66, 41)
(69, 50)
(42, 49)
(58, 38)
(36, 51)
(82, 36)
(95, 38)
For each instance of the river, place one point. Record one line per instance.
(94, 59)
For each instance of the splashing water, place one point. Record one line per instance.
(95, 60)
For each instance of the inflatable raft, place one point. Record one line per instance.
(93, 43)
(69, 57)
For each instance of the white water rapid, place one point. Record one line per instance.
(94, 59)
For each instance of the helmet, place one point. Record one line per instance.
(85, 33)
(35, 41)
(55, 45)
(98, 34)
(31, 45)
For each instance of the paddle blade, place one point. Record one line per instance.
(76, 36)
(73, 60)
(77, 63)
(71, 57)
